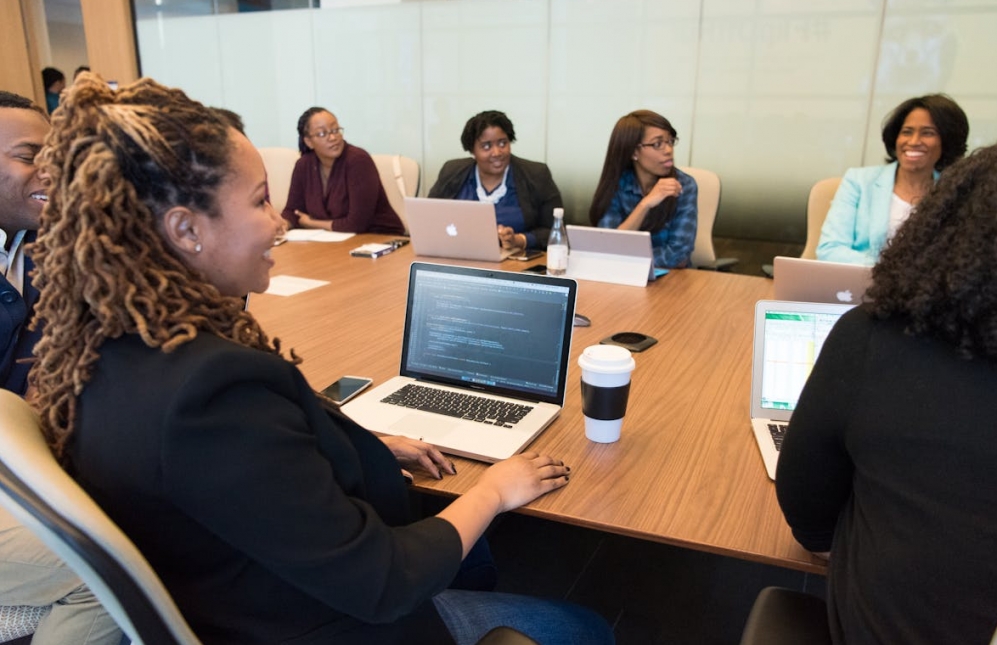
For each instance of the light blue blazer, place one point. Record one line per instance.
(859, 219)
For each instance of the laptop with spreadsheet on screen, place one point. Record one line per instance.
(788, 339)
(484, 361)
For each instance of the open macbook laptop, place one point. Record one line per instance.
(454, 228)
(816, 281)
(610, 255)
(788, 339)
(484, 361)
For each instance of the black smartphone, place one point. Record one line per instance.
(536, 268)
(346, 388)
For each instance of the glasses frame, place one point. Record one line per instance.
(658, 145)
(323, 134)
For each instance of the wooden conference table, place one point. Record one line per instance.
(686, 471)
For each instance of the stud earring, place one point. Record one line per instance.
(197, 248)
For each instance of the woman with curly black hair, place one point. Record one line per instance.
(523, 191)
(922, 136)
(889, 458)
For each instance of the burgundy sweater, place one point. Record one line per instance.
(354, 199)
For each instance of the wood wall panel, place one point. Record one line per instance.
(110, 39)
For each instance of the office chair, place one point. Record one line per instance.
(707, 203)
(279, 163)
(786, 617)
(818, 204)
(400, 178)
(35, 489)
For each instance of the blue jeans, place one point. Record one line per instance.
(469, 615)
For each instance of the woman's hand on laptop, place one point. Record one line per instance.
(413, 452)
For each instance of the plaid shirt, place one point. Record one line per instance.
(674, 242)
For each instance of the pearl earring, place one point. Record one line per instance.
(197, 248)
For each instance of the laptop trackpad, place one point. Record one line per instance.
(430, 428)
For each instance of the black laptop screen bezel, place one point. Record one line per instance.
(528, 395)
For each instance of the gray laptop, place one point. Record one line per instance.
(484, 361)
(454, 228)
(817, 281)
(788, 339)
(610, 255)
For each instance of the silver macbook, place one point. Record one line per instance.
(610, 255)
(788, 339)
(484, 361)
(454, 228)
(817, 281)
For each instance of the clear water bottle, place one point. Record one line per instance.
(557, 246)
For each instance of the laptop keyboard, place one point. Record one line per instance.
(778, 432)
(456, 404)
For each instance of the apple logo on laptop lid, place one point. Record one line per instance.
(452, 230)
(844, 296)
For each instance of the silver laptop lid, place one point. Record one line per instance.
(503, 332)
(788, 339)
(453, 228)
(819, 281)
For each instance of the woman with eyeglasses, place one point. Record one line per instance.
(335, 185)
(523, 192)
(641, 189)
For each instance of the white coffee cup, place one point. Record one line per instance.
(606, 373)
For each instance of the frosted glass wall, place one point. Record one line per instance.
(771, 94)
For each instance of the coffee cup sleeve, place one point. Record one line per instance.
(605, 403)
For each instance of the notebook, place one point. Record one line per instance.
(788, 339)
(816, 281)
(500, 337)
(454, 228)
(610, 255)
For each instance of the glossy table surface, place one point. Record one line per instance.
(686, 471)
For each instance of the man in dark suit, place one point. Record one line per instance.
(22, 196)
(30, 574)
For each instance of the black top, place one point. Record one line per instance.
(16, 341)
(268, 519)
(890, 461)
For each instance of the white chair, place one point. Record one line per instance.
(400, 178)
(707, 204)
(279, 163)
(818, 204)
(39, 493)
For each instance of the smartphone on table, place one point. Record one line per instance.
(346, 388)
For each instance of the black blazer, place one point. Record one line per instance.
(269, 519)
(16, 341)
(538, 194)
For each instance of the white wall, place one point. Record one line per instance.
(771, 94)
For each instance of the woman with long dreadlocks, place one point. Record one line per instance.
(269, 518)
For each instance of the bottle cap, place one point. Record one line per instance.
(558, 212)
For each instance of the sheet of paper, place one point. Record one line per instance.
(288, 285)
(316, 235)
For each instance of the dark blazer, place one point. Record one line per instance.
(16, 341)
(269, 519)
(538, 194)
